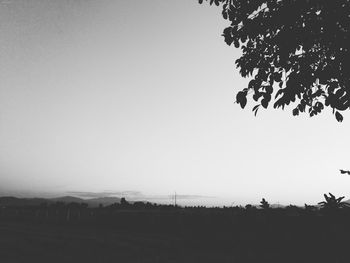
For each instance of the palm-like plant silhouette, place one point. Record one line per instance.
(333, 203)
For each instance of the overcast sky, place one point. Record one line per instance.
(138, 96)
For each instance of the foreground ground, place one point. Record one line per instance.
(177, 237)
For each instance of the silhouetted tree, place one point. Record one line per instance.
(298, 48)
(123, 202)
(264, 204)
(248, 207)
(332, 203)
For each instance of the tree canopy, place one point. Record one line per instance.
(295, 51)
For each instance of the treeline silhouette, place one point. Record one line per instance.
(262, 233)
(62, 211)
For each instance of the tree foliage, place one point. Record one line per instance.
(296, 51)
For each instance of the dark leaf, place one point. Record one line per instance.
(295, 112)
(338, 116)
(279, 92)
(264, 103)
(256, 111)
(241, 98)
(269, 89)
(256, 107)
(228, 35)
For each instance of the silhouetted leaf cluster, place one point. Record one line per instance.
(297, 51)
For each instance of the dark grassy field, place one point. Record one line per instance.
(179, 235)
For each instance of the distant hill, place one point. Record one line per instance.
(68, 199)
(92, 202)
(14, 201)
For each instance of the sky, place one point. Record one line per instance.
(120, 97)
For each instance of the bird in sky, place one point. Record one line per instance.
(344, 172)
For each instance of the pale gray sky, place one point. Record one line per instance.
(138, 96)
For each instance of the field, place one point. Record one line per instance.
(179, 235)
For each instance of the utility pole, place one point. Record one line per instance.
(175, 199)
